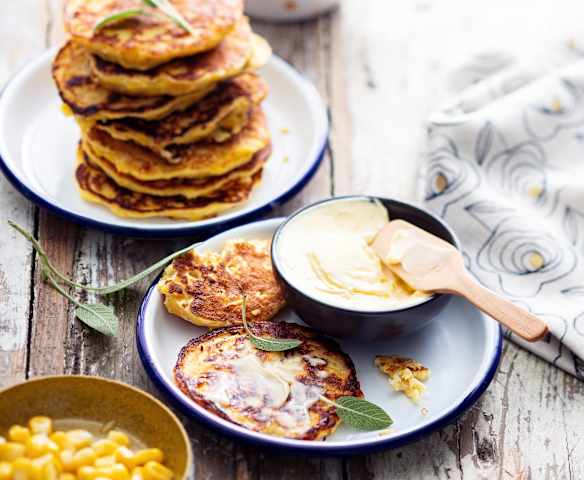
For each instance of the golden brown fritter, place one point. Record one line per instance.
(86, 98)
(217, 117)
(148, 40)
(95, 186)
(206, 288)
(405, 374)
(184, 75)
(194, 160)
(183, 187)
(276, 393)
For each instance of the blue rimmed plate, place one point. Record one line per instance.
(38, 146)
(462, 347)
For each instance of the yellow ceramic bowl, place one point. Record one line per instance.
(86, 402)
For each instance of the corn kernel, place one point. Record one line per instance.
(137, 473)
(50, 472)
(115, 472)
(79, 439)
(2, 440)
(86, 473)
(22, 469)
(61, 439)
(105, 447)
(148, 455)
(39, 445)
(107, 461)
(10, 451)
(156, 471)
(118, 437)
(66, 460)
(84, 457)
(41, 425)
(18, 434)
(67, 476)
(5, 471)
(127, 457)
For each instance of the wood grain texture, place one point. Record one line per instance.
(380, 66)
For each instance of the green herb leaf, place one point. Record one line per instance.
(268, 344)
(361, 414)
(117, 17)
(171, 12)
(99, 317)
(99, 290)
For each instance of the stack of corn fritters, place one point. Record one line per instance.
(171, 120)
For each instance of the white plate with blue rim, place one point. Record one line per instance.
(462, 347)
(38, 147)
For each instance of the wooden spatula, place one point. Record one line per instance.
(433, 265)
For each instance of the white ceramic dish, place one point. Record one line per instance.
(462, 347)
(38, 145)
(288, 10)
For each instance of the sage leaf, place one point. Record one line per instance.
(136, 278)
(274, 344)
(99, 290)
(361, 414)
(268, 344)
(99, 317)
(171, 12)
(117, 17)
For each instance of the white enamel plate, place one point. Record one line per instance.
(38, 147)
(461, 347)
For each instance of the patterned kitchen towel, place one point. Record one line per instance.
(505, 168)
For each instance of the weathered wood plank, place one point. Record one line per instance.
(16, 256)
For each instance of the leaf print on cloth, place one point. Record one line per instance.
(514, 250)
(560, 106)
(448, 177)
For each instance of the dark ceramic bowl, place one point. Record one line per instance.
(366, 325)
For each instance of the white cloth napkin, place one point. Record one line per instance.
(505, 168)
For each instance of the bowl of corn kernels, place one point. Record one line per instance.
(89, 428)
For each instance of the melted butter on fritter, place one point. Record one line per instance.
(277, 393)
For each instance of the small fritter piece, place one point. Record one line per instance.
(276, 393)
(217, 117)
(193, 160)
(183, 187)
(145, 41)
(405, 375)
(206, 288)
(86, 98)
(184, 75)
(95, 186)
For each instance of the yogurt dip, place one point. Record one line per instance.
(326, 253)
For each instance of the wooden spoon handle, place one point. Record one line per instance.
(515, 318)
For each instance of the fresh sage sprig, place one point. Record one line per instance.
(269, 344)
(360, 414)
(97, 316)
(163, 5)
(117, 17)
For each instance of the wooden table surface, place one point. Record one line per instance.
(380, 66)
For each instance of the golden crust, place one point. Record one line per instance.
(206, 288)
(195, 160)
(183, 75)
(146, 41)
(95, 186)
(184, 187)
(322, 366)
(390, 365)
(86, 98)
(218, 116)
